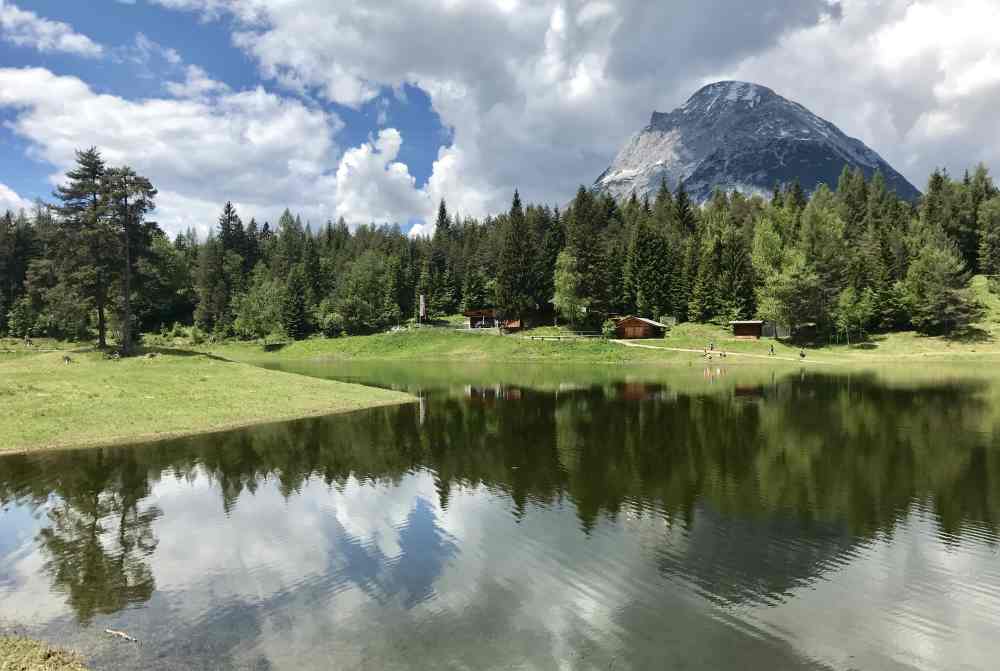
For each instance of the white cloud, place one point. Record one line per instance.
(918, 80)
(10, 201)
(260, 150)
(373, 187)
(209, 144)
(541, 98)
(196, 84)
(26, 29)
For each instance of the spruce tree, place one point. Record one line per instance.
(514, 270)
(585, 223)
(87, 249)
(294, 308)
(989, 238)
(130, 199)
(684, 212)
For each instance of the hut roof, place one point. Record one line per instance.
(643, 320)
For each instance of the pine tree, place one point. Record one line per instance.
(649, 270)
(312, 270)
(704, 303)
(736, 276)
(294, 308)
(937, 289)
(88, 247)
(475, 294)
(684, 213)
(514, 270)
(585, 223)
(989, 237)
(210, 287)
(130, 199)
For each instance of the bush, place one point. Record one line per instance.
(196, 335)
(608, 329)
(21, 318)
(329, 322)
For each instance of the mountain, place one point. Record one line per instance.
(740, 136)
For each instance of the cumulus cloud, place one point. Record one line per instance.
(258, 149)
(918, 81)
(541, 95)
(26, 29)
(373, 186)
(10, 201)
(208, 144)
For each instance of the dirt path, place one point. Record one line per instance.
(776, 357)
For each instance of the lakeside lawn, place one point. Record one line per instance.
(439, 345)
(23, 654)
(95, 401)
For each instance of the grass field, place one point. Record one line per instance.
(93, 401)
(436, 344)
(23, 654)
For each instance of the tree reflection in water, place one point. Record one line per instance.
(837, 458)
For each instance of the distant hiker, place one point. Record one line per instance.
(772, 351)
(711, 346)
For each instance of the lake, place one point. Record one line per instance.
(535, 517)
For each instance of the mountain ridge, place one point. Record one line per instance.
(740, 136)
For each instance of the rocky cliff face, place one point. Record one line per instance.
(740, 136)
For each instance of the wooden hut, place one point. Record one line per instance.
(480, 319)
(634, 328)
(748, 329)
(486, 318)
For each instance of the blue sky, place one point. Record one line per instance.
(201, 42)
(375, 111)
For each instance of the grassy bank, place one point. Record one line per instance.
(682, 346)
(22, 654)
(433, 344)
(93, 401)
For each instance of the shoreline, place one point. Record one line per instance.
(94, 403)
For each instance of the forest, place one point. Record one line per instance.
(850, 260)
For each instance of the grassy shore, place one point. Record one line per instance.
(682, 346)
(23, 654)
(93, 401)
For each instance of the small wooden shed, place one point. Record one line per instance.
(480, 319)
(486, 318)
(634, 328)
(748, 328)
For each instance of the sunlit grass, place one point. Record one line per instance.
(93, 401)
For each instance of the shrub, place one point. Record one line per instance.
(608, 329)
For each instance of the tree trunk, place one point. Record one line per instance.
(127, 286)
(102, 326)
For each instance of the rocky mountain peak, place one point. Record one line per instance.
(739, 136)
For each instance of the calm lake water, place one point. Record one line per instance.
(535, 518)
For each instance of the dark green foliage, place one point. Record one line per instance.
(648, 270)
(295, 304)
(849, 261)
(515, 274)
(86, 248)
(936, 289)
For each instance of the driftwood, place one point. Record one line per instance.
(122, 635)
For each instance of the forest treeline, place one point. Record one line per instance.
(854, 259)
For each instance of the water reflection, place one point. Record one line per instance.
(508, 525)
